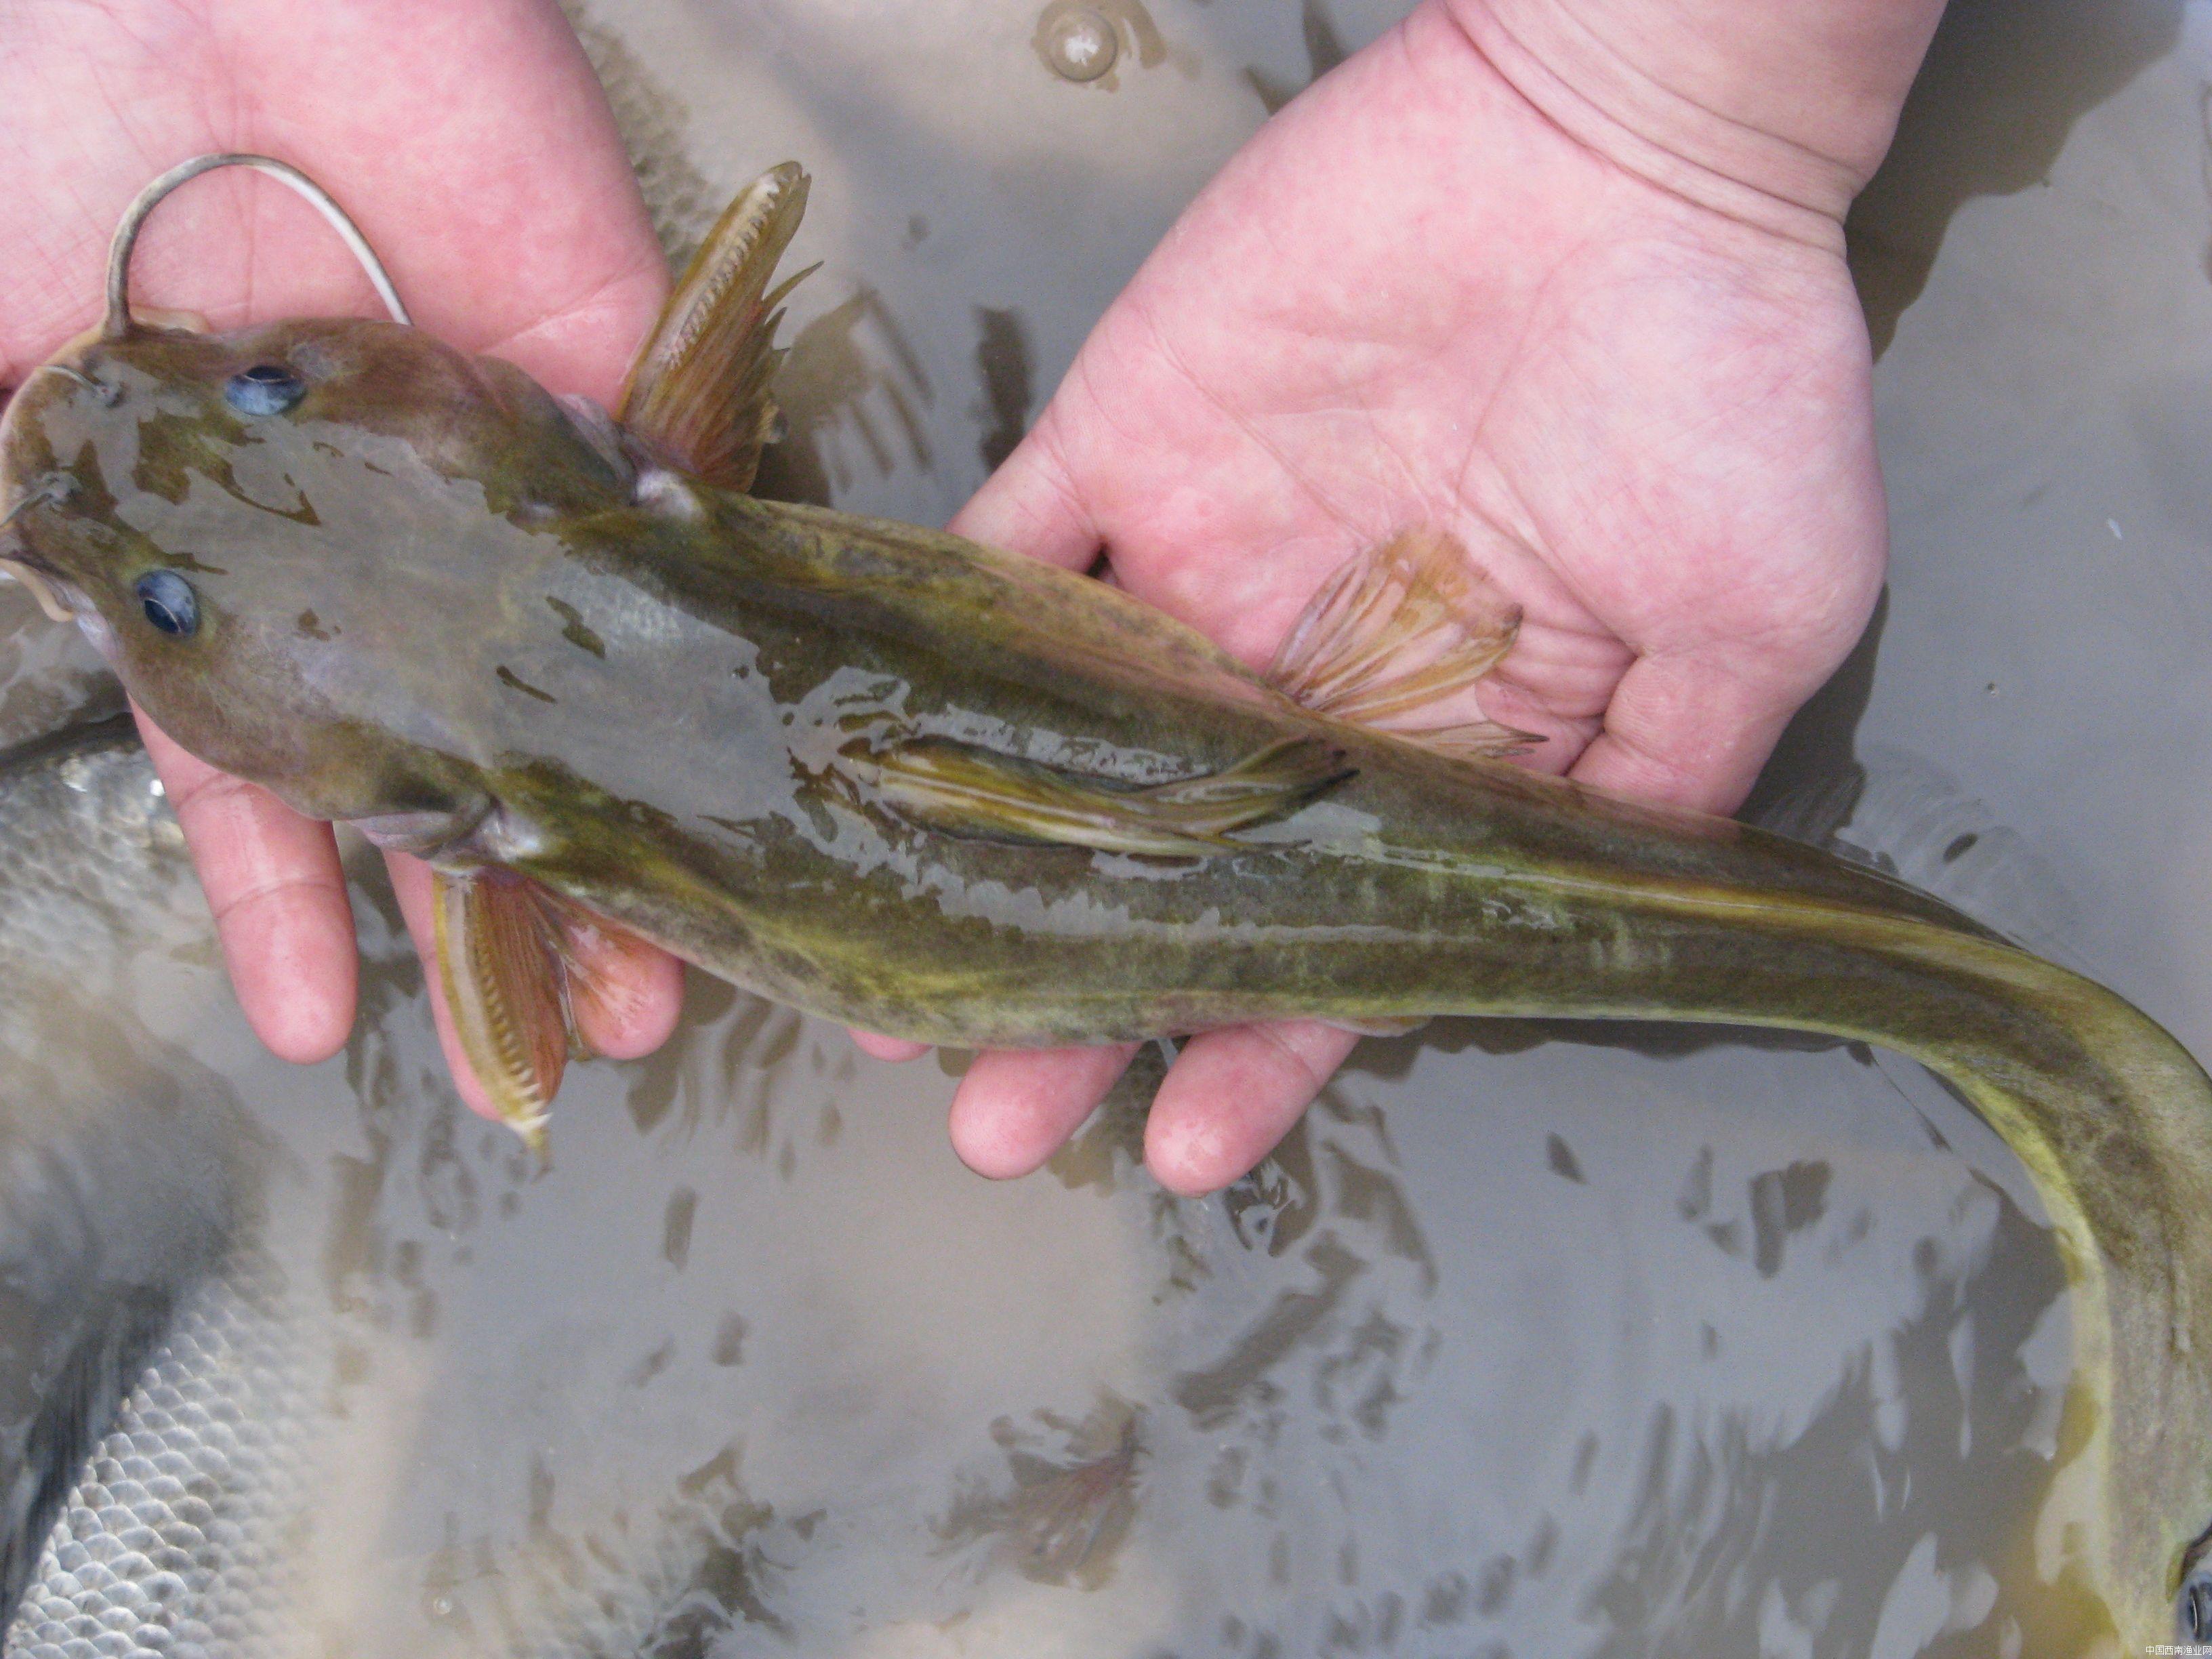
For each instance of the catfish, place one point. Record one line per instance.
(898, 780)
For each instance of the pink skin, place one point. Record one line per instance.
(1564, 277)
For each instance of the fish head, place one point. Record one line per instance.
(271, 534)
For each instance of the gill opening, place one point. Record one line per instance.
(117, 322)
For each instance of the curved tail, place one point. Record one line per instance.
(2112, 1118)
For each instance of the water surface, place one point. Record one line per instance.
(1533, 1340)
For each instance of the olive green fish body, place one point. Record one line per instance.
(735, 823)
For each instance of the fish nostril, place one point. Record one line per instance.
(106, 394)
(51, 490)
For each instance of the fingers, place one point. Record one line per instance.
(279, 895)
(636, 991)
(1686, 731)
(1016, 1107)
(1031, 505)
(895, 1049)
(1231, 1095)
(625, 995)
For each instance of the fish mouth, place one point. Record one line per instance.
(57, 595)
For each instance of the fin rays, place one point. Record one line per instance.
(699, 390)
(1398, 630)
(516, 961)
(965, 790)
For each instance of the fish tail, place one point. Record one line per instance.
(2111, 1117)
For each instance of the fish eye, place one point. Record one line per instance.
(168, 601)
(2192, 1614)
(263, 389)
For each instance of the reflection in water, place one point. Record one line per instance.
(653, 120)
(1900, 813)
(1529, 1340)
(1129, 30)
(851, 382)
(1749, 1541)
(1325, 50)
(1814, 755)
(1002, 362)
(49, 677)
(2005, 82)
(1068, 1503)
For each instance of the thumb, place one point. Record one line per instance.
(1686, 730)
(1032, 504)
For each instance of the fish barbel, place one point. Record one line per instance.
(908, 783)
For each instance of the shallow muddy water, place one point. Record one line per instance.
(1533, 1341)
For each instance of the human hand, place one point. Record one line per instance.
(473, 144)
(1483, 278)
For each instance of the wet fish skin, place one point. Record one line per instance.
(394, 599)
(435, 602)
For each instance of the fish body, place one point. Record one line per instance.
(905, 782)
(672, 710)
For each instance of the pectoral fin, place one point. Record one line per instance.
(965, 790)
(1396, 634)
(516, 961)
(698, 392)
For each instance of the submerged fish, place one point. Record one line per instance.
(148, 1364)
(908, 783)
(186, 1465)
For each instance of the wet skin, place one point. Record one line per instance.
(428, 600)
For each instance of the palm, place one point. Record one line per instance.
(1413, 300)
(472, 143)
(1650, 424)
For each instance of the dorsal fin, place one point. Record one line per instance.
(698, 391)
(1395, 634)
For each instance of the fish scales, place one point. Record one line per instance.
(171, 1412)
(172, 1545)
